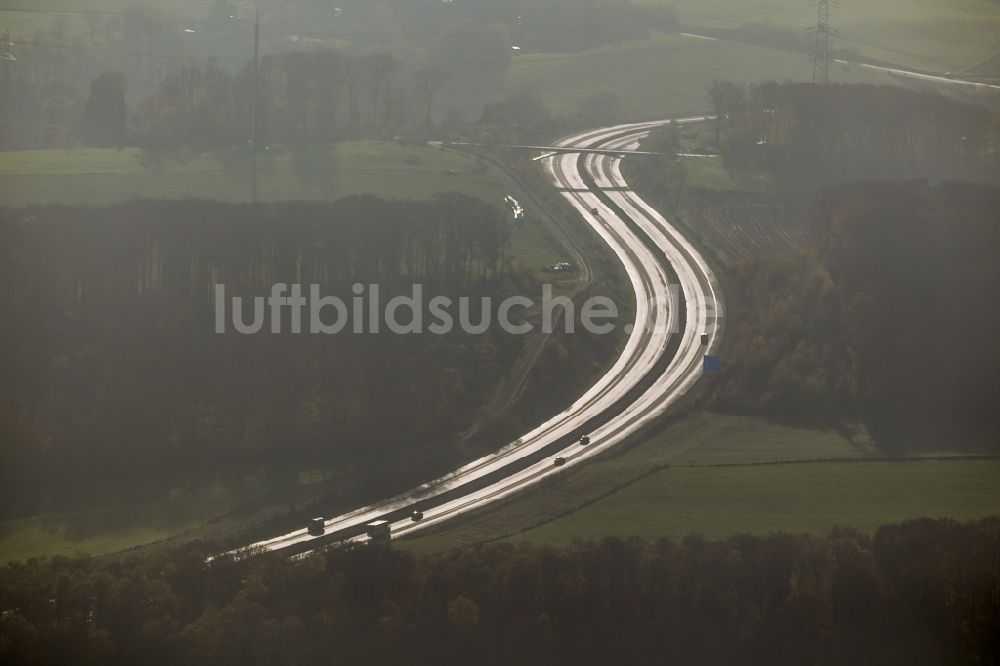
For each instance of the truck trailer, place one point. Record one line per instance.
(379, 531)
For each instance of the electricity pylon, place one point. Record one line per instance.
(821, 51)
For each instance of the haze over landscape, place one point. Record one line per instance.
(499, 331)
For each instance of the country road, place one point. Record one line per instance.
(653, 371)
(933, 78)
(945, 79)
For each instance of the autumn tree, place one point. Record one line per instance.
(105, 113)
(429, 81)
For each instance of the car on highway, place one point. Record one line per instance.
(594, 210)
(417, 515)
(584, 440)
(559, 462)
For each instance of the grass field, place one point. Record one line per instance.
(98, 530)
(802, 497)
(107, 176)
(103, 531)
(104, 176)
(699, 439)
(939, 35)
(722, 480)
(711, 174)
(665, 76)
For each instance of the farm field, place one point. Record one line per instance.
(104, 176)
(938, 35)
(720, 475)
(803, 497)
(100, 530)
(104, 531)
(701, 438)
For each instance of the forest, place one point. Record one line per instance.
(111, 368)
(890, 317)
(882, 311)
(923, 592)
(802, 131)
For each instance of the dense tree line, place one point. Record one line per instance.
(925, 592)
(917, 268)
(111, 368)
(192, 86)
(306, 98)
(853, 131)
(302, 97)
(450, 244)
(105, 113)
(891, 317)
(44, 94)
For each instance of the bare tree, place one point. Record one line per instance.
(724, 96)
(353, 73)
(378, 70)
(430, 80)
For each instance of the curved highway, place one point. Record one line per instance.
(643, 382)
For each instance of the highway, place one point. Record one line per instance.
(645, 380)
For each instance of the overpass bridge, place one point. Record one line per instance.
(549, 151)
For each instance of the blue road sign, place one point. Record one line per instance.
(713, 364)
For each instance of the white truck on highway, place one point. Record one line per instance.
(379, 531)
